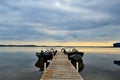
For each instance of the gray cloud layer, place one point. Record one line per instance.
(61, 20)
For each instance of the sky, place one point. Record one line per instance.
(60, 22)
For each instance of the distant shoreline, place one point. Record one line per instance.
(18, 46)
(55, 46)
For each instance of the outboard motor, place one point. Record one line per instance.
(47, 56)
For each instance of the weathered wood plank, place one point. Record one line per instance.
(61, 69)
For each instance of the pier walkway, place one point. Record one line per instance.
(60, 68)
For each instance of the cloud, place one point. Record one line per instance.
(59, 20)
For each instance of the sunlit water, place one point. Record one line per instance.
(17, 63)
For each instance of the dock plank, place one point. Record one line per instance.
(61, 69)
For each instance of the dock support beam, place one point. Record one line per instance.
(44, 66)
(77, 66)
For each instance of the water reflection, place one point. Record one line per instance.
(117, 62)
(100, 50)
(17, 63)
(100, 67)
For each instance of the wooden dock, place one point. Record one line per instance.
(61, 69)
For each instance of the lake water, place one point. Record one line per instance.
(17, 63)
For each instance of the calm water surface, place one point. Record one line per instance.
(99, 64)
(17, 63)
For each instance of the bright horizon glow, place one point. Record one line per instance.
(55, 43)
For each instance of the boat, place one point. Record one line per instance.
(75, 58)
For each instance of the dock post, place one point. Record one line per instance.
(77, 66)
(44, 66)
